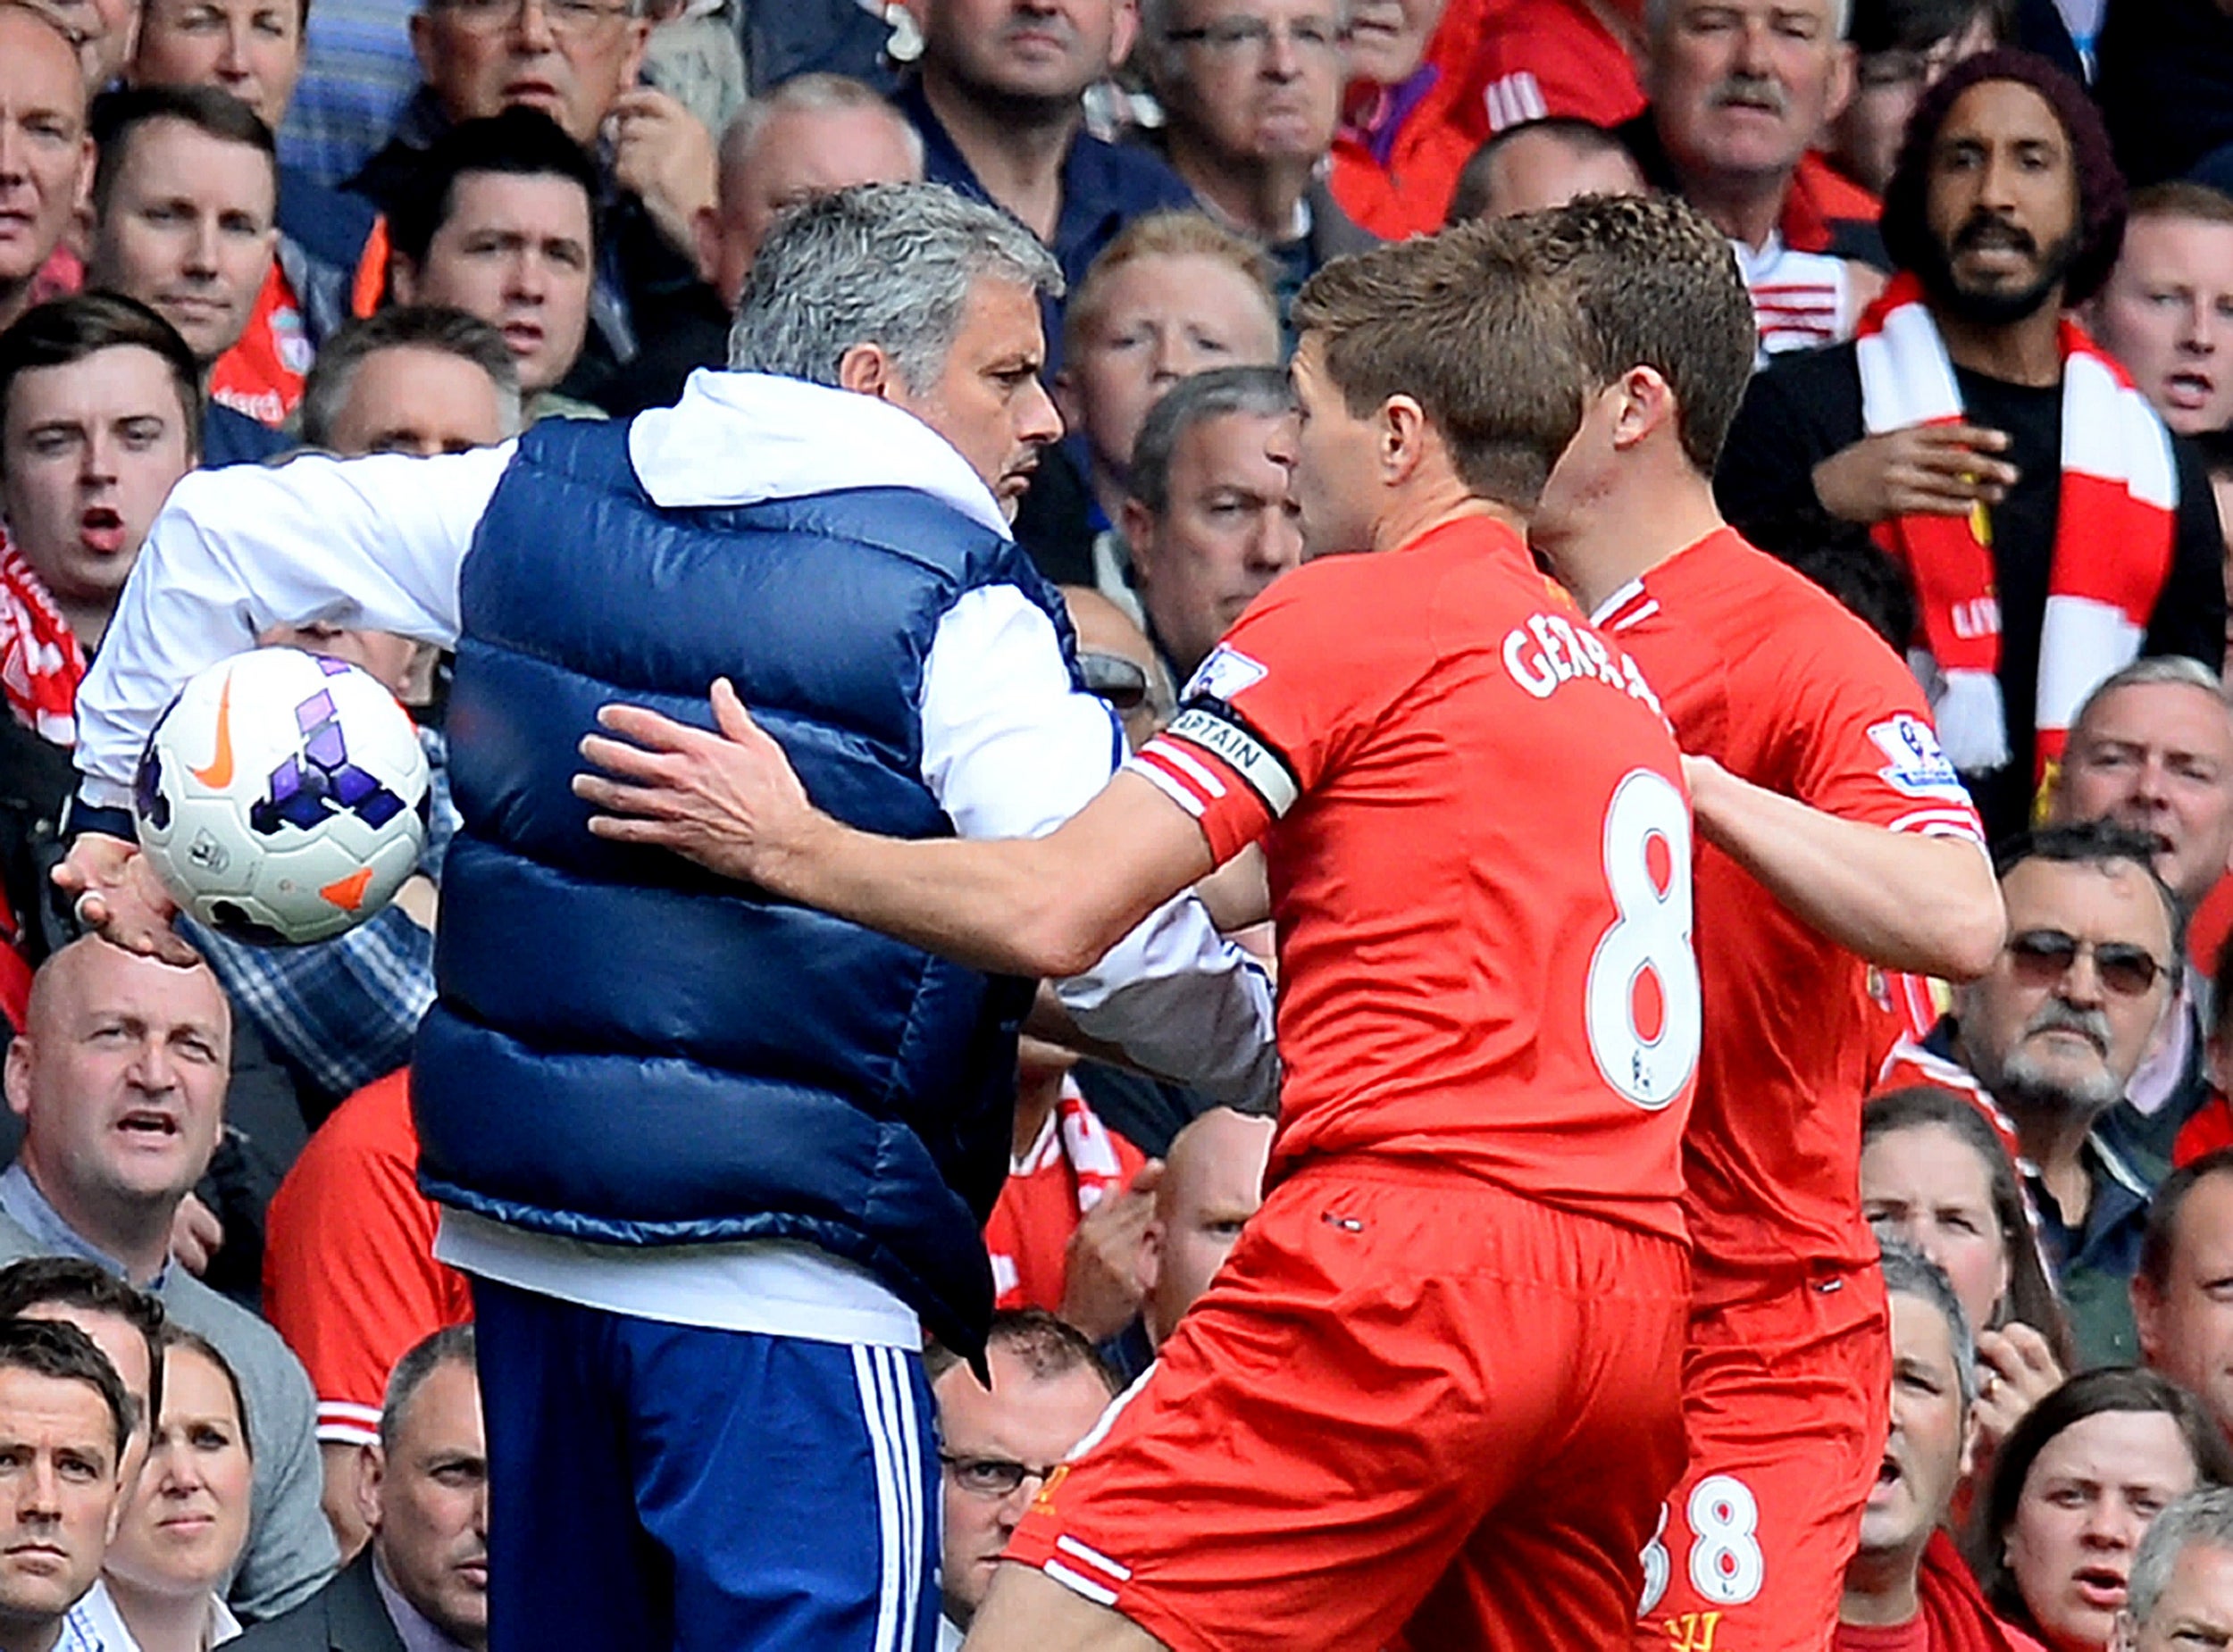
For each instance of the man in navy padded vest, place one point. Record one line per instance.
(712, 1159)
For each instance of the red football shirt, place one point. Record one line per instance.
(1478, 843)
(1763, 671)
(1047, 1193)
(1554, 57)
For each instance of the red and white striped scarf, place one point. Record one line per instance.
(2113, 542)
(41, 664)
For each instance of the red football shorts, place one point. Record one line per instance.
(1409, 1398)
(1786, 1404)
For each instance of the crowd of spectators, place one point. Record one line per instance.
(1994, 290)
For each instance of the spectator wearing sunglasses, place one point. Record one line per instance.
(998, 1446)
(2054, 1032)
(2153, 749)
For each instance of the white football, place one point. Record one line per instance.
(282, 796)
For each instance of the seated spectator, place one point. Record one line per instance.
(1906, 1586)
(124, 1323)
(103, 32)
(358, 71)
(183, 200)
(2167, 311)
(1067, 1231)
(576, 63)
(45, 154)
(116, 1131)
(806, 138)
(1412, 113)
(2165, 83)
(1001, 107)
(417, 378)
(2072, 1492)
(186, 1518)
(63, 1420)
(421, 1582)
(2212, 1126)
(1208, 518)
(1212, 1182)
(1251, 92)
(1541, 164)
(1740, 89)
(2053, 1033)
(333, 255)
(1954, 430)
(998, 1445)
(1174, 294)
(2151, 749)
(503, 228)
(350, 1279)
(1934, 1176)
(1901, 47)
(2181, 1592)
(100, 414)
(2178, 1292)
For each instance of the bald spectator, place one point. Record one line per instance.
(998, 1446)
(1210, 518)
(1212, 1183)
(577, 62)
(184, 204)
(1539, 164)
(2151, 749)
(2186, 1324)
(999, 98)
(1251, 91)
(1174, 294)
(806, 137)
(2167, 311)
(1901, 47)
(46, 152)
(1740, 89)
(2181, 1592)
(120, 1080)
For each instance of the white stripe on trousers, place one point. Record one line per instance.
(888, 1407)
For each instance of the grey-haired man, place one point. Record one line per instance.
(714, 1160)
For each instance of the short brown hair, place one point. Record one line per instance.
(1466, 324)
(1173, 234)
(2180, 197)
(1657, 287)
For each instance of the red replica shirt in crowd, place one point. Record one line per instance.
(1763, 671)
(1076, 1162)
(1479, 852)
(1555, 57)
(349, 1275)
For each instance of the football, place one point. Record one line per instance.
(282, 796)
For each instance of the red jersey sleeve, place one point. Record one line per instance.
(1264, 719)
(1871, 754)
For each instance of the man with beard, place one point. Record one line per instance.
(2052, 528)
(2053, 1031)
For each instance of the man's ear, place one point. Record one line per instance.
(403, 278)
(1404, 436)
(371, 1468)
(867, 370)
(17, 1075)
(1138, 525)
(1150, 1266)
(2147, 1319)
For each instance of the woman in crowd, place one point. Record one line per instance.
(2072, 1492)
(186, 1524)
(1934, 1173)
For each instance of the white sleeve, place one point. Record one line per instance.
(1011, 750)
(373, 543)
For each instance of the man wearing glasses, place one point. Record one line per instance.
(2054, 1032)
(998, 1445)
(576, 61)
(1251, 91)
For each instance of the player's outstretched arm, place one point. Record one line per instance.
(729, 800)
(1928, 905)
